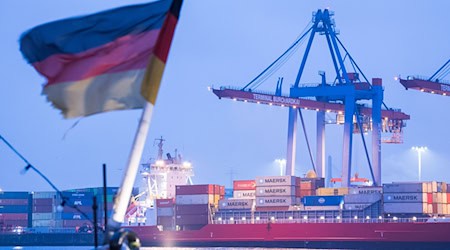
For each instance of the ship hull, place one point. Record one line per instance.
(304, 235)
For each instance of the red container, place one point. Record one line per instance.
(21, 216)
(165, 202)
(183, 220)
(192, 209)
(222, 190)
(43, 202)
(22, 223)
(306, 185)
(9, 202)
(75, 223)
(281, 208)
(165, 221)
(448, 199)
(195, 189)
(429, 198)
(435, 208)
(244, 185)
(42, 209)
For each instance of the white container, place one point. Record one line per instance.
(405, 197)
(264, 181)
(366, 190)
(275, 191)
(43, 223)
(194, 199)
(321, 208)
(405, 208)
(236, 203)
(244, 194)
(405, 187)
(362, 198)
(42, 216)
(164, 211)
(275, 201)
(43, 195)
(356, 206)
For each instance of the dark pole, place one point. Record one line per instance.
(105, 208)
(95, 207)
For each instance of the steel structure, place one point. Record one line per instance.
(434, 85)
(341, 97)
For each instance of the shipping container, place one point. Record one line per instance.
(195, 199)
(406, 187)
(244, 194)
(44, 195)
(165, 202)
(264, 181)
(275, 201)
(14, 209)
(13, 202)
(43, 202)
(21, 223)
(42, 216)
(434, 206)
(75, 223)
(236, 203)
(365, 190)
(228, 193)
(275, 191)
(165, 221)
(244, 185)
(306, 185)
(14, 195)
(76, 216)
(165, 211)
(302, 193)
(78, 195)
(192, 209)
(332, 191)
(43, 223)
(362, 198)
(322, 208)
(276, 208)
(326, 200)
(405, 197)
(80, 201)
(77, 209)
(14, 216)
(43, 209)
(199, 219)
(405, 208)
(356, 206)
(429, 198)
(222, 190)
(194, 189)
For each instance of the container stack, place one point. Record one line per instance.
(43, 209)
(308, 186)
(71, 217)
(409, 198)
(323, 203)
(275, 193)
(14, 210)
(194, 203)
(165, 213)
(244, 189)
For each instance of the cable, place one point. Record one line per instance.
(307, 140)
(30, 166)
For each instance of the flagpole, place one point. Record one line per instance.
(124, 194)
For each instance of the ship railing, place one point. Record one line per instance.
(321, 220)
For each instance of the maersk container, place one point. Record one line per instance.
(362, 198)
(165, 211)
(264, 181)
(356, 206)
(275, 191)
(275, 201)
(244, 194)
(405, 197)
(14, 195)
(14, 209)
(195, 199)
(191, 209)
(327, 200)
(236, 204)
(365, 190)
(194, 189)
(405, 187)
(405, 208)
(9, 202)
(244, 185)
(165, 202)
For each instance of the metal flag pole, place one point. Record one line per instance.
(126, 187)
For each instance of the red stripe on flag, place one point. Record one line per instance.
(164, 41)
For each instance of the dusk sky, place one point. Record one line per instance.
(228, 43)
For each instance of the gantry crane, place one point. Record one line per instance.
(343, 97)
(434, 85)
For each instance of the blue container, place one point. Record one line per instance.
(78, 194)
(76, 216)
(16, 209)
(332, 200)
(228, 193)
(14, 195)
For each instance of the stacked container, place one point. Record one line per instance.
(83, 201)
(165, 214)
(15, 209)
(194, 202)
(244, 189)
(308, 186)
(275, 192)
(43, 209)
(407, 198)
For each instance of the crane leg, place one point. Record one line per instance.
(291, 142)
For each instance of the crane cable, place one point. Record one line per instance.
(307, 140)
(358, 120)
